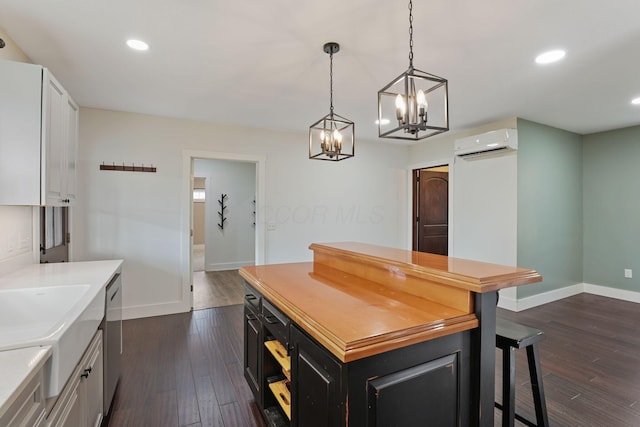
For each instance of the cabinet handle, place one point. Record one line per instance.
(251, 317)
(86, 373)
(271, 319)
(249, 297)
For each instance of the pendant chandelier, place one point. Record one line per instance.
(332, 137)
(415, 104)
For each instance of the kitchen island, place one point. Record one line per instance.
(372, 336)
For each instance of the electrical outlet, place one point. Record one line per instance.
(271, 226)
(628, 273)
(10, 244)
(25, 241)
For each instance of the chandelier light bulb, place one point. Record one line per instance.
(337, 136)
(401, 108)
(422, 99)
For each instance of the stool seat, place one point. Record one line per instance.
(511, 336)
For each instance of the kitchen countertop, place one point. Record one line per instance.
(17, 368)
(61, 274)
(359, 300)
(56, 320)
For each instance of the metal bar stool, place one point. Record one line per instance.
(512, 336)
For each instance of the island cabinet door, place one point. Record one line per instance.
(422, 395)
(316, 386)
(252, 352)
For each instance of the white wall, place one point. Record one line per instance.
(485, 209)
(483, 197)
(16, 238)
(483, 200)
(139, 216)
(233, 246)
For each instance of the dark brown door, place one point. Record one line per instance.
(431, 207)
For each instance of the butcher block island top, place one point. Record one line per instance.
(359, 300)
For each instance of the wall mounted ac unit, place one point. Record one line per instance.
(488, 143)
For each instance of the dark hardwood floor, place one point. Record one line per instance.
(186, 369)
(590, 362)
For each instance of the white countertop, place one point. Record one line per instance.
(60, 274)
(17, 367)
(36, 310)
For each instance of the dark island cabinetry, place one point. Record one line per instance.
(252, 342)
(421, 384)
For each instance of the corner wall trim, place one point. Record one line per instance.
(151, 310)
(540, 299)
(222, 266)
(616, 293)
(514, 304)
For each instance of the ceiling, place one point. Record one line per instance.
(260, 63)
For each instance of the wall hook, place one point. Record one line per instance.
(223, 206)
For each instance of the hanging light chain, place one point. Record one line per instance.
(410, 34)
(331, 82)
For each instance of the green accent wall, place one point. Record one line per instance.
(550, 203)
(612, 208)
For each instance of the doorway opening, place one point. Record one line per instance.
(186, 242)
(223, 222)
(431, 210)
(199, 199)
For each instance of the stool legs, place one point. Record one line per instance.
(508, 406)
(537, 387)
(508, 386)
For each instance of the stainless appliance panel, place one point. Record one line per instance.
(113, 340)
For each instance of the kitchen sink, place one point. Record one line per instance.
(63, 317)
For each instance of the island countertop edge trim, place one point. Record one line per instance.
(489, 283)
(347, 352)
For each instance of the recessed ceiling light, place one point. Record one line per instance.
(550, 56)
(137, 44)
(636, 101)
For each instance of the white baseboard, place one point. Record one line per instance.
(606, 291)
(139, 311)
(539, 299)
(514, 304)
(228, 265)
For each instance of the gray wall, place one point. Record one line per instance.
(233, 246)
(549, 206)
(612, 208)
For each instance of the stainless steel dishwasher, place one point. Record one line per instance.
(112, 344)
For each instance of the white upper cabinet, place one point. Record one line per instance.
(38, 137)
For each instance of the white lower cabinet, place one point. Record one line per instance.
(28, 409)
(80, 402)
